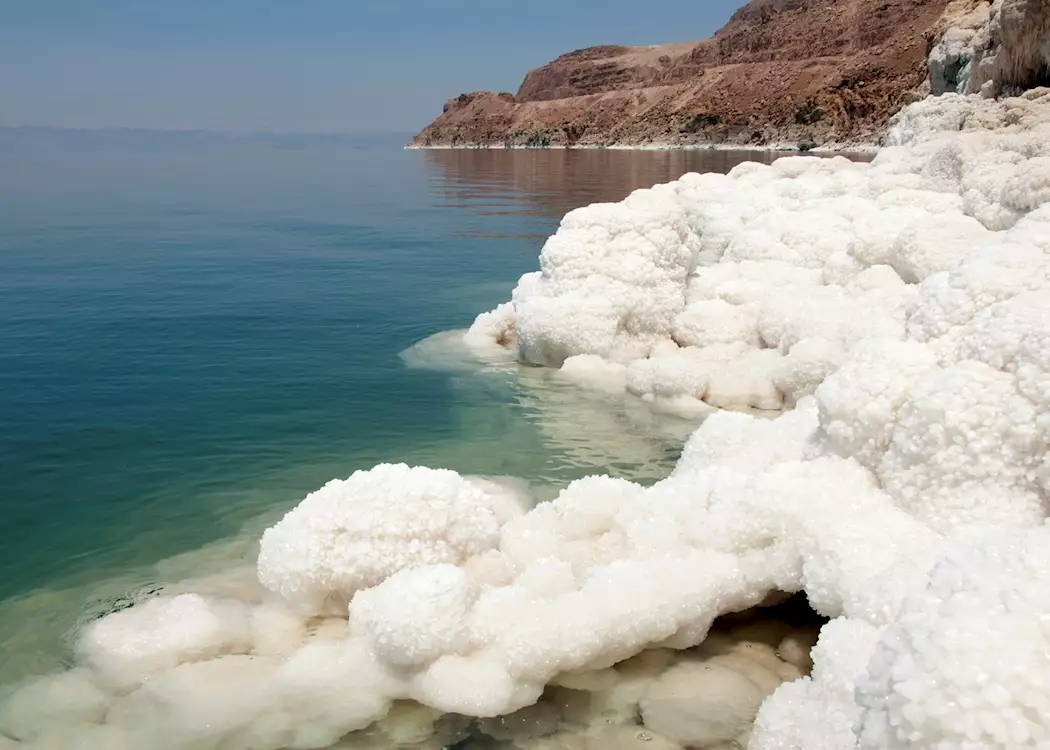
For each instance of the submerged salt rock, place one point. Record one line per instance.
(647, 665)
(626, 737)
(532, 721)
(327, 629)
(611, 696)
(615, 705)
(796, 648)
(620, 737)
(50, 701)
(363, 741)
(219, 697)
(276, 631)
(590, 369)
(759, 643)
(700, 703)
(83, 737)
(713, 693)
(561, 741)
(409, 724)
(326, 690)
(129, 646)
(594, 681)
(378, 740)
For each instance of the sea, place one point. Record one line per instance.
(199, 329)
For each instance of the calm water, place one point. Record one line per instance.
(198, 330)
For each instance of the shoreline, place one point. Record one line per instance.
(862, 148)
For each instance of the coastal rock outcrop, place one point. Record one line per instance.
(781, 71)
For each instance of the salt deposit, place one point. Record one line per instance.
(895, 309)
(992, 47)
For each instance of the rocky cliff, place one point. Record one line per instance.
(781, 71)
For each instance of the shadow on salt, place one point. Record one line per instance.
(662, 699)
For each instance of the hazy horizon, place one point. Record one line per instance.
(206, 131)
(322, 67)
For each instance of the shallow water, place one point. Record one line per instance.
(197, 330)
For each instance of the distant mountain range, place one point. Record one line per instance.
(131, 135)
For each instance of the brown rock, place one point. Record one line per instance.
(782, 71)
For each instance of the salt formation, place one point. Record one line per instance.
(749, 289)
(899, 309)
(354, 534)
(990, 48)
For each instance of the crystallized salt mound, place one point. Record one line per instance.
(613, 300)
(352, 534)
(965, 665)
(746, 290)
(389, 615)
(900, 308)
(818, 712)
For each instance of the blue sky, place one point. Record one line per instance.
(298, 66)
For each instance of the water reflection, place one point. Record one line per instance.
(549, 183)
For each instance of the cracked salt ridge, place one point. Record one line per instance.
(900, 306)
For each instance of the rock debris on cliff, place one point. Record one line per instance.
(780, 72)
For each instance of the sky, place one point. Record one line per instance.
(305, 66)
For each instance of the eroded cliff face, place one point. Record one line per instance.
(781, 71)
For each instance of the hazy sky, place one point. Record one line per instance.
(298, 65)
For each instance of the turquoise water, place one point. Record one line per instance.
(197, 330)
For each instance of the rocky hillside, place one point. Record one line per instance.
(781, 71)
